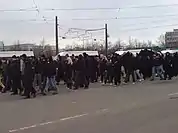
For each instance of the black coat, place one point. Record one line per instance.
(80, 65)
(38, 67)
(28, 71)
(14, 69)
(50, 69)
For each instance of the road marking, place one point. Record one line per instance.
(73, 117)
(172, 94)
(47, 123)
(57, 121)
(102, 111)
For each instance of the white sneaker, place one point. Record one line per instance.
(133, 83)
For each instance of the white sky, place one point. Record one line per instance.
(11, 29)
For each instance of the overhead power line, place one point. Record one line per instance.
(148, 22)
(80, 9)
(119, 18)
(102, 19)
(78, 29)
(150, 6)
(18, 10)
(87, 9)
(147, 28)
(109, 8)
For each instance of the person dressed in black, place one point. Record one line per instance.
(43, 74)
(37, 73)
(68, 68)
(117, 70)
(93, 68)
(103, 69)
(175, 64)
(59, 70)
(168, 66)
(15, 75)
(110, 71)
(80, 77)
(50, 68)
(86, 71)
(28, 79)
(128, 63)
(7, 77)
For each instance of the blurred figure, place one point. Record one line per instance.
(117, 70)
(2, 87)
(38, 74)
(80, 77)
(168, 66)
(68, 71)
(15, 75)
(7, 77)
(93, 67)
(51, 73)
(28, 79)
(103, 68)
(87, 70)
(60, 70)
(157, 67)
(128, 63)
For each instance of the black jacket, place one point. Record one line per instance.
(28, 71)
(80, 65)
(50, 69)
(15, 69)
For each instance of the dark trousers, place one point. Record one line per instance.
(16, 84)
(128, 73)
(110, 76)
(28, 85)
(68, 79)
(81, 79)
(93, 76)
(168, 72)
(117, 78)
(8, 83)
(44, 79)
(102, 76)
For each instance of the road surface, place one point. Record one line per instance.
(148, 107)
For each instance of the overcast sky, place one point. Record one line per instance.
(11, 29)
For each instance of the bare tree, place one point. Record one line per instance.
(131, 43)
(161, 40)
(149, 43)
(119, 44)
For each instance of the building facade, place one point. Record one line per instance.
(171, 39)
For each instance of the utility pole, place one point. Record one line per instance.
(56, 34)
(3, 48)
(106, 39)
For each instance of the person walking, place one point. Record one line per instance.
(28, 79)
(51, 69)
(15, 75)
(80, 77)
(1, 76)
(38, 74)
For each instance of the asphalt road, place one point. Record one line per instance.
(148, 107)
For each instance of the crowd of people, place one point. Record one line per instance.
(26, 76)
